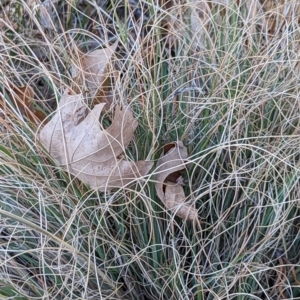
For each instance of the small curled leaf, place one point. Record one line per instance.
(171, 162)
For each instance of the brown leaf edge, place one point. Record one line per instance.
(22, 98)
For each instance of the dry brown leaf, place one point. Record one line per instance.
(22, 98)
(74, 138)
(174, 200)
(170, 193)
(92, 68)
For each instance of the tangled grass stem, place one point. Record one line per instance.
(221, 78)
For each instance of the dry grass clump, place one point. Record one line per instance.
(215, 77)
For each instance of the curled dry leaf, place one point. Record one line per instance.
(74, 138)
(92, 69)
(171, 193)
(174, 200)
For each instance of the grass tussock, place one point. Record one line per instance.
(226, 83)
